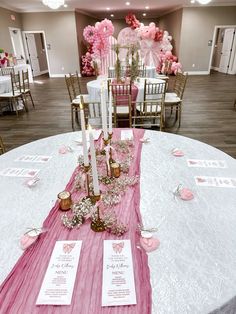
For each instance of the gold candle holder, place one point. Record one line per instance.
(115, 169)
(110, 136)
(98, 224)
(65, 200)
(106, 142)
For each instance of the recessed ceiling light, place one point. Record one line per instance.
(144, 14)
(204, 1)
(147, 7)
(65, 5)
(192, 1)
(127, 3)
(108, 9)
(112, 15)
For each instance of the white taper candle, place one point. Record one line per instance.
(84, 138)
(104, 112)
(96, 189)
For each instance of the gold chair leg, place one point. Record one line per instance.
(31, 99)
(24, 103)
(72, 118)
(14, 104)
(180, 111)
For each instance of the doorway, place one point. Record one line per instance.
(36, 52)
(223, 54)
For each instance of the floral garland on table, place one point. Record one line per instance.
(112, 191)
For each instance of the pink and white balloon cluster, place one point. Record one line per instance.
(98, 37)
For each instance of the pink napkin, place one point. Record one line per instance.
(177, 152)
(186, 194)
(32, 182)
(149, 244)
(65, 149)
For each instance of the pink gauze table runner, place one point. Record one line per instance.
(19, 291)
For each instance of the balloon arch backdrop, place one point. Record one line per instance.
(152, 43)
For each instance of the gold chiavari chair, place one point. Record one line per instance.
(15, 94)
(2, 147)
(75, 80)
(121, 95)
(142, 71)
(150, 112)
(111, 73)
(92, 113)
(26, 87)
(7, 71)
(174, 99)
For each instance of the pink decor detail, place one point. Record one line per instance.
(186, 194)
(149, 244)
(177, 153)
(26, 241)
(19, 291)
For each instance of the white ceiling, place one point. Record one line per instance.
(98, 8)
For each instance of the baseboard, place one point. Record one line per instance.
(198, 72)
(61, 75)
(215, 68)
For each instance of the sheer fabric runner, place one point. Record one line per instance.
(19, 291)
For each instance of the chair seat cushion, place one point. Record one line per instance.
(172, 98)
(85, 97)
(10, 94)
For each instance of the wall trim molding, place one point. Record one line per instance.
(44, 72)
(57, 75)
(215, 68)
(198, 72)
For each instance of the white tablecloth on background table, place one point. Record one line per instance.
(5, 84)
(94, 88)
(193, 271)
(24, 67)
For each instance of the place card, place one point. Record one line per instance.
(19, 172)
(215, 181)
(59, 280)
(126, 135)
(34, 158)
(201, 163)
(118, 286)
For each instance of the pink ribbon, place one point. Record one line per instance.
(117, 247)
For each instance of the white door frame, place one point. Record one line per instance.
(21, 42)
(214, 41)
(45, 43)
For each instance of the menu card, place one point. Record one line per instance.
(126, 135)
(59, 280)
(215, 181)
(19, 172)
(118, 286)
(34, 158)
(206, 163)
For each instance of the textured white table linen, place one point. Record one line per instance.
(193, 271)
(5, 84)
(94, 88)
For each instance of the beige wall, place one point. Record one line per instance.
(5, 22)
(197, 29)
(172, 23)
(60, 32)
(41, 50)
(82, 21)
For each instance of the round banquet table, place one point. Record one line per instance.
(193, 271)
(5, 84)
(94, 88)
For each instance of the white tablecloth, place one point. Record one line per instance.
(193, 271)
(24, 67)
(5, 84)
(94, 88)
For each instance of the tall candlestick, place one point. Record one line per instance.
(96, 189)
(110, 112)
(104, 112)
(84, 138)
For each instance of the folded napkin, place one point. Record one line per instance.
(177, 152)
(147, 242)
(30, 237)
(65, 149)
(184, 193)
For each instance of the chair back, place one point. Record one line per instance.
(154, 90)
(16, 83)
(92, 112)
(7, 71)
(111, 73)
(142, 71)
(76, 82)
(70, 88)
(2, 147)
(180, 83)
(25, 80)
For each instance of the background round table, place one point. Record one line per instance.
(193, 271)
(94, 88)
(5, 84)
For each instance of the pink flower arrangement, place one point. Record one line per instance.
(87, 68)
(132, 21)
(90, 33)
